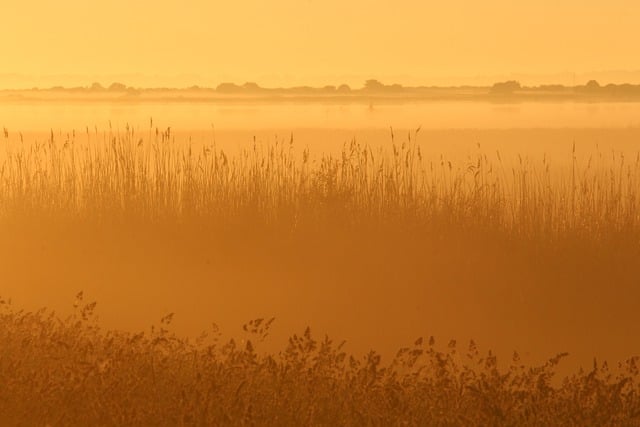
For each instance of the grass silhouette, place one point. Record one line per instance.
(394, 209)
(84, 375)
(154, 178)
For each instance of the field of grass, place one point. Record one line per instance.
(478, 244)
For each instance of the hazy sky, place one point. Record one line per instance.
(316, 42)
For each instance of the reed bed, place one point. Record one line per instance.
(69, 371)
(154, 178)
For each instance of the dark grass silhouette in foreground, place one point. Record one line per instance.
(71, 372)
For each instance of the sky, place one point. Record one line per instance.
(317, 42)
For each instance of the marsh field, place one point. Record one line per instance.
(442, 236)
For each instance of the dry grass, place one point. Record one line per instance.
(367, 223)
(123, 176)
(70, 372)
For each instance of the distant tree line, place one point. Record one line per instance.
(97, 87)
(375, 87)
(592, 87)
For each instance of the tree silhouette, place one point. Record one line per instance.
(506, 87)
(117, 87)
(228, 88)
(373, 85)
(592, 85)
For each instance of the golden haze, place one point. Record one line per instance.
(287, 42)
(386, 215)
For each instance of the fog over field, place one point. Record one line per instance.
(466, 283)
(319, 213)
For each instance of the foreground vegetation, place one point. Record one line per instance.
(69, 371)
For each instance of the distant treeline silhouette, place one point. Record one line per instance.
(375, 87)
(592, 88)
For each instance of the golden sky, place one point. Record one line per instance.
(289, 42)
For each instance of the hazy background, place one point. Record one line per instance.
(291, 42)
